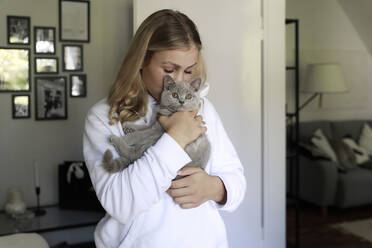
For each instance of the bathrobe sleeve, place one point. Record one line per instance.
(225, 162)
(126, 194)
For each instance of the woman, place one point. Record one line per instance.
(144, 207)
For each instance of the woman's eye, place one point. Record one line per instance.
(175, 95)
(188, 72)
(188, 96)
(168, 71)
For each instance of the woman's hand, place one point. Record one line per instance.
(196, 188)
(183, 126)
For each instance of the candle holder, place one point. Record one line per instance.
(38, 211)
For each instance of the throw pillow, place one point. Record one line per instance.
(310, 151)
(345, 155)
(360, 153)
(365, 139)
(321, 142)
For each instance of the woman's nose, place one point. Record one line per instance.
(179, 77)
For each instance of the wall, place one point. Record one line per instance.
(52, 142)
(327, 34)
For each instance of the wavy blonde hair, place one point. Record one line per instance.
(163, 30)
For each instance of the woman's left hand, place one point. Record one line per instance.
(196, 188)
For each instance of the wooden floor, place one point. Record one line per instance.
(315, 231)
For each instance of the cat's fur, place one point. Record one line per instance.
(139, 138)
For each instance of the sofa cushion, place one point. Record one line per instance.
(307, 129)
(351, 128)
(321, 142)
(367, 165)
(352, 188)
(361, 155)
(365, 139)
(345, 155)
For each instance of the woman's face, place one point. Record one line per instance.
(178, 63)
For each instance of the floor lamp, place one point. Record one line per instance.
(321, 78)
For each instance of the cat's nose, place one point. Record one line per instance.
(182, 102)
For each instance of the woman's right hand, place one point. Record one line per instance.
(183, 126)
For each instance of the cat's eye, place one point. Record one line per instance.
(188, 96)
(175, 95)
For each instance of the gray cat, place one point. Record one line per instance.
(176, 96)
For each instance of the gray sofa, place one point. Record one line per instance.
(321, 183)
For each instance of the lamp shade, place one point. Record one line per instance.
(324, 78)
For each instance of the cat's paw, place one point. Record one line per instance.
(107, 156)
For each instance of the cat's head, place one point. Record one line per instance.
(180, 95)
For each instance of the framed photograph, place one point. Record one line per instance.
(74, 20)
(21, 106)
(78, 85)
(72, 56)
(45, 40)
(46, 65)
(18, 30)
(51, 100)
(14, 69)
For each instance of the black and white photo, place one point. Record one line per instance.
(78, 85)
(74, 20)
(46, 65)
(14, 69)
(72, 56)
(45, 40)
(18, 30)
(21, 106)
(51, 100)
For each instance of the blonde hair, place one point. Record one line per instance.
(163, 30)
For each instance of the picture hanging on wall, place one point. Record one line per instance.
(72, 57)
(14, 69)
(45, 40)
(78, 85)
(18, 30)
(46, 65)
(51, 100)
(21, 106)
(74, 20)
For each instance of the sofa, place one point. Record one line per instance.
(321, 181)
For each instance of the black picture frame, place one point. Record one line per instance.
(44, 40)
(15, 73)
(72, 58)
(78, 85)
(19, 31)
(74, 21)
(21, 106)
(46, 65)
(50, 98)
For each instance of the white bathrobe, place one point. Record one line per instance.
(139, 212)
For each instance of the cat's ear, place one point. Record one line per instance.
(168, 82)
(195, 84)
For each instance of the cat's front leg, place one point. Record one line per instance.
(129, 127)
(122, 147)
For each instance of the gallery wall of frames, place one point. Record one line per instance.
(48, 89)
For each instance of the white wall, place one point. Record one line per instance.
(52, 142)
(327, 34)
